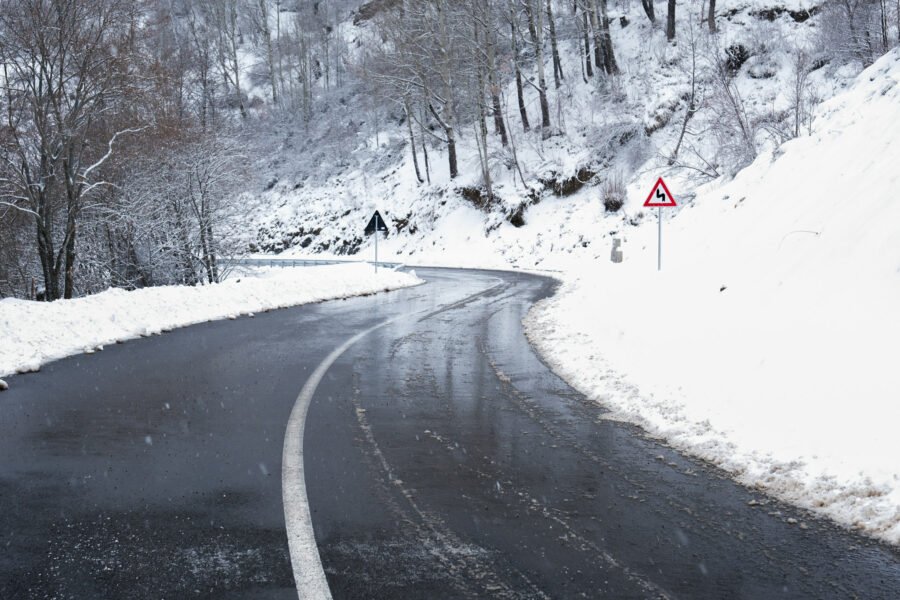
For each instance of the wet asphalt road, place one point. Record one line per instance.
(443, 460)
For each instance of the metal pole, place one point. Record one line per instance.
(659, 245)
(376, 243)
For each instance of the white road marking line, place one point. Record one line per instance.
(309, 576)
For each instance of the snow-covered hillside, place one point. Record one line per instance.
(620, 130)
(768, 343)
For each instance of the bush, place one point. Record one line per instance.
(478, 196)
(735, 56)
(613, 193)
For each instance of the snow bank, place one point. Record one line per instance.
(769, 342)
(34, 333)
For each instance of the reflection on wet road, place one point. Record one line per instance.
(457, 465)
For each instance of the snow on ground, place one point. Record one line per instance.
(768, 344)
(616, 130)
(35, 333)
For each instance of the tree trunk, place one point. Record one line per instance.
(479, 76)
(481, 130)
(609, 56)
(270, 57)
(412, 139)
(691, 110)
(557, 64)
(69, 283)
(537, 26)
(189, 276)
(47, 255)
(712, 16)
(451, 154)
(204, 249)
(520, 92)
(499, 126)
(425, 147)
(648, 8)
(211, 248)
(588, 65)
(449, 90)
(451, 142)
(234, 59)
(526, 4)
(481, 142)
(670, 21)
(599, 62)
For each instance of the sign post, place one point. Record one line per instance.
(659, 197)
(376, 225)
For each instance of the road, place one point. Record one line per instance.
(442, 460)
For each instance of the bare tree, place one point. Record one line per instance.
(535, 19)
(670, 21)
(259, 15)
(174, 218)
(516, 59)
(800, 93)
(557, 63)
(732, 124)
(494, 82)
(694, 75)
(223, 15)
(61, 73)
(604, 55)
(609, 56)
(848, 28)
(584, 26)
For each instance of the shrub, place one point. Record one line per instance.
(735, 56)
(613, 193)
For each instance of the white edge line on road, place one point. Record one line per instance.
(309, 575)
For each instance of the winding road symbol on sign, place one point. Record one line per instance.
(660, 196)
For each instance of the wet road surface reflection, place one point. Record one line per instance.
(457, 465)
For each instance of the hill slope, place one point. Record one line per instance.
(768, 343)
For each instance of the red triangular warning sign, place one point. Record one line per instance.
(660, 195)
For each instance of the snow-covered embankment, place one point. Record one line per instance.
(34, 333)
(768, 344)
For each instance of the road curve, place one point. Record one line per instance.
(442, 459)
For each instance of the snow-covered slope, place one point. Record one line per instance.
(769, 342)
(321, 195)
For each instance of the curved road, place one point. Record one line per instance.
(442, 460)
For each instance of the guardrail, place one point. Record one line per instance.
(301, 262)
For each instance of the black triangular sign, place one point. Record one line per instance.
(376, 218)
